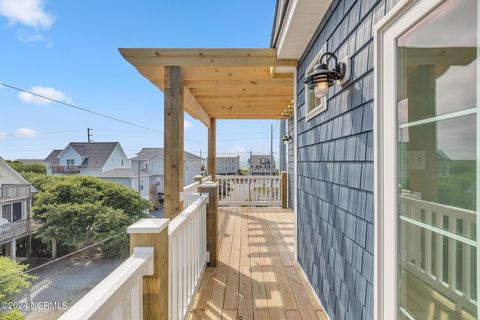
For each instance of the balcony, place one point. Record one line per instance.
(15, 229)
(12, 193)
(66, 169)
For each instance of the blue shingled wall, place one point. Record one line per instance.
(335, 167)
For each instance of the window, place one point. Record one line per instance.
(427, 160)
(7, 212)
(17, 211)
(314, 106)
(70, 162)
(122, 162)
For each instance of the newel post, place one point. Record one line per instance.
(153, 233)
(198, 178)
(284, 190)
(212, 220)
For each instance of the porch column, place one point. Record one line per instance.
(173, 140)
(212, 148)
(13, 248)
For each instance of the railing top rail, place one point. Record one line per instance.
(179, 220)
(191, 187)
(101, 299)
(250, 176)
(438, 205)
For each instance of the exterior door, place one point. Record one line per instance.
(427, 153)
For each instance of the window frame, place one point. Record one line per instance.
(400, 19)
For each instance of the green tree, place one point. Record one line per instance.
(13, 279)
(22, 167)
(78, 210)
(12, 315)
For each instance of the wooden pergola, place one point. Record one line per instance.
(211, 84)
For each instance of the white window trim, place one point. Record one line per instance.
(323, 103)
(405, 14)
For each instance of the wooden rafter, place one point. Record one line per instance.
(223, 83)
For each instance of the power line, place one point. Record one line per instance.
(80, 108)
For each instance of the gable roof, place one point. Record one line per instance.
(17, 175)
(93, 153)
(52, 158)
(256, 157)
(147, 153)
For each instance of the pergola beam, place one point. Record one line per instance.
(194, 108)
(205, 57)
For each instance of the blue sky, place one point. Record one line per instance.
(68, 50)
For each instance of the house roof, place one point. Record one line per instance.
(93, 153)
(258, 156)
(32, 161)
(223, 83)
(18, 176)
(52, 158)
(147, 153)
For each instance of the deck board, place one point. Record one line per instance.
(257, 276)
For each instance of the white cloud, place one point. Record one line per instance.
(44, 91)
(3, 135)
(187, 124)
(25, 132)
(29, 37)
(237, 149)
(27, 12)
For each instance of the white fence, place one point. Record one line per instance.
(187, 235)
(249, 190)
(118, 296)
(440, 248)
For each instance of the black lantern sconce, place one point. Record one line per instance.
(322, 78)
(287, 138)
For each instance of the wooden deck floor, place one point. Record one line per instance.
(257, 276)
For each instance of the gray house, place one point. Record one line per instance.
(261, 164)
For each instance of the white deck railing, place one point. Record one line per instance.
(249, 190)
(15, 229)
(187, 236)
(440, 248)
(193, 187)
(120, 295)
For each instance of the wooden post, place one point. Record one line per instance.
(54, 248)
(284, 190)
(212, 140)
(212, 220)
(153, 233)
(198, 178)
(173, 140)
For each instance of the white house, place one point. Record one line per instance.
(227, 164)
(148, 165)
(105, 160)
(15, 209)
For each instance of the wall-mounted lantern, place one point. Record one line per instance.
(287, 138)
(321, 78)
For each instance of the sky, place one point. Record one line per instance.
(68, 50)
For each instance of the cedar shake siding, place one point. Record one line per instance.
(335, 166)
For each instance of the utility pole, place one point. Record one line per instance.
(271, 150)
(89, 135)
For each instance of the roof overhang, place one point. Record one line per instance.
(224, 83)
(295, 24)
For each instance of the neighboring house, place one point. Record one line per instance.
(262, 164)
(228, 164)
(105, 160)
(15, 209)
(148, 165)
(31, 161)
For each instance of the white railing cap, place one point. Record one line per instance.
(148, 226)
